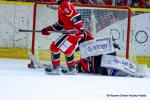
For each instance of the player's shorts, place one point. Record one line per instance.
(67, 43)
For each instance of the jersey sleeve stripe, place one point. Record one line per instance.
(57, 26)
(76, 19)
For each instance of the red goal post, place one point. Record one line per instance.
(99, 26)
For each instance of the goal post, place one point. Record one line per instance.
(101, 21)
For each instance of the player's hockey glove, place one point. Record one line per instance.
(83, 34)
(45, 31)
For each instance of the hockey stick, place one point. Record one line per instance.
(63, 31)
(36, 62)
(39, 64)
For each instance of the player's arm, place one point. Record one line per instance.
(77, 21)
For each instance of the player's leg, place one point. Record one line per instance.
(55, 57)
(71, 64)
(67, 44)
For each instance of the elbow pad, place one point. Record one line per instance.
(57, 26)
(76, 20)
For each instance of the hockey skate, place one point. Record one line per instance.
(69, 71)
(72, 70)
(53, 71)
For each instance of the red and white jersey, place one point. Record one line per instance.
(68, 16)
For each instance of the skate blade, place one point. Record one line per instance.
(53, 73)
(70, 73)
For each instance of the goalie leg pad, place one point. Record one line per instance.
(121, 64)
(114, 72)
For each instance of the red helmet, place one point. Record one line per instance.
(60, 1)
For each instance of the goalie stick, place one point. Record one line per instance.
(39, 64)
(62, 31)
(36, 62)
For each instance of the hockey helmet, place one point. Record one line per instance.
(60, 1)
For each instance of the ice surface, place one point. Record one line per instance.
(17, 82)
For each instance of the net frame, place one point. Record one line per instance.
(83, 5)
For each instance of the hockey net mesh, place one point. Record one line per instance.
(100, 21)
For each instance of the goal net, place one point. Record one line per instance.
(101, 21)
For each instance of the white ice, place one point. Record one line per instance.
(17, 82)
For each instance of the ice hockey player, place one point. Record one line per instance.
(68, 19)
